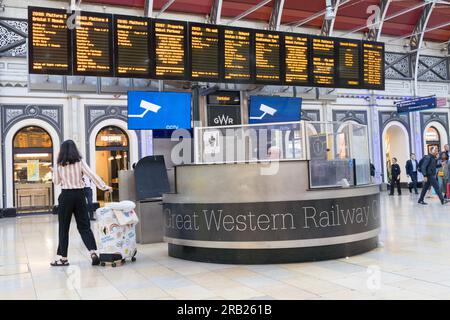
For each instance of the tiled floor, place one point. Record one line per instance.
(412, 262)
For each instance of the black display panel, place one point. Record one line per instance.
(267, 57)
(49, 43)
(323, 62)
(349, 63)
(224, 98)
(296, 59)
(93, 45)
(373, 65)
(237, 53)
(170, 50)
(131, 47)
(204, 45)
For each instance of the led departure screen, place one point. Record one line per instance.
(93, 45)
(296, 59)
(373, 65)
(49, 41)
(267, 57)
(349, 70)
(236, 52)
(132, 52)
(204, 52)
(323, 62)
(170, 49)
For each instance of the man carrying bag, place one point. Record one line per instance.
(428, 170)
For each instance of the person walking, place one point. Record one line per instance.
(428, 170)
(395, 177)
(69, 175)
(88, 194)
(443, 174)
(411, 171)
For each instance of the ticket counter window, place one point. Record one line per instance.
(111, 152)
(33, 156)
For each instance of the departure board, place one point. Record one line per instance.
(236, 55)
(49, 44)
(204, 52)
(267, 57)
(323, 61)
(349, 70)
(296, 59)
(93, 54)
(373, 65)
(131, 47)
(170, 52)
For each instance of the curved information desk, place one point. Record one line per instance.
(241, 214)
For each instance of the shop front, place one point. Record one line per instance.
(111, 155)
(32, 159)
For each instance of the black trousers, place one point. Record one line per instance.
(90, 207)
(413, 183)
(431, 181)
(395, 181)
(73, 201)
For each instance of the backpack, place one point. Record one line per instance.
(419, 167)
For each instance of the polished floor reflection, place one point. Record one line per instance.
(412, 262)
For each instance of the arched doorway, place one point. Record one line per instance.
(434, 134)
(32, 158)
(395, 140)
(111, 155)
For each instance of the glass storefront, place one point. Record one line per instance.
(111, 152)
(432, 139)
(33, 156)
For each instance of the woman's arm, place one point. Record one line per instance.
(93, 176)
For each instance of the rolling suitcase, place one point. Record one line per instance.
(116, 232)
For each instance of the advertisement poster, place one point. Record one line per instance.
(33, 170)
(211, 142)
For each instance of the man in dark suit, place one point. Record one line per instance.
(428, 170)
(411, 171)
(395, 174)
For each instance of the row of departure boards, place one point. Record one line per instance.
(108, 45)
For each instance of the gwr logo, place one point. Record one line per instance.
(223, 120)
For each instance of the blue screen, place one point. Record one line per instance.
(159, 110)
(264, 109)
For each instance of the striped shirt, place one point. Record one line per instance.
(71, 176)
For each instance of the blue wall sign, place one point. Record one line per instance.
(159, 110)
(417, 104)
(264, 109)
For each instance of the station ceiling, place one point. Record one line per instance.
(401, 15)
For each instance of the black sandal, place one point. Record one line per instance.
(60, 263)
(95, 259)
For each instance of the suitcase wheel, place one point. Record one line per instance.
(103, 264)
(113, 264)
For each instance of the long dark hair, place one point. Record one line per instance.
(68, 153)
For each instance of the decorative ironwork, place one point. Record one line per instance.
(13, 37)
(359, 116)
(397, 66)
(433, 68)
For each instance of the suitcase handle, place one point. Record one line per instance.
(108, 196)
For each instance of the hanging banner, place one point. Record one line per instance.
(417, 104)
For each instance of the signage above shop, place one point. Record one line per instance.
(159, 110)
(110, 45)
(264, 109)
(417, 104)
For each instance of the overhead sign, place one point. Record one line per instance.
(417, 104)
(159, 110)
(264, 109)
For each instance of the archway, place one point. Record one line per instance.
(111, 156)
(32, 158)
(395, 142)
(434, 135)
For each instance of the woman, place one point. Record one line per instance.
(69, 175)
(443, 174)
